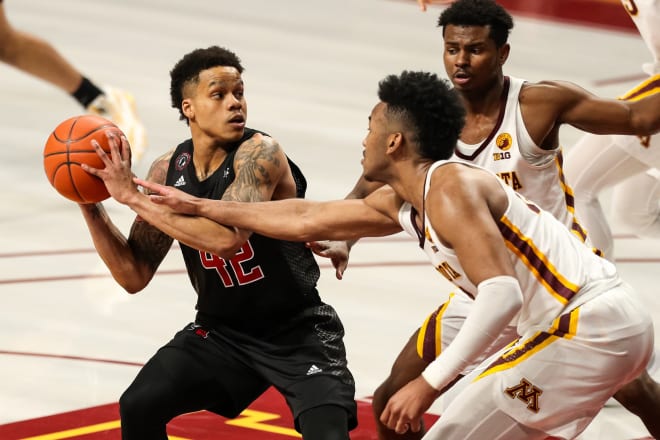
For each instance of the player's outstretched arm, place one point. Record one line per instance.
(339, 251)
(289, 219)
(566, 103)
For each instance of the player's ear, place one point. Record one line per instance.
(394, 141)
(186, 107)
(504, 53)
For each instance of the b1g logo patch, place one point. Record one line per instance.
(182, 161)
(526, 392)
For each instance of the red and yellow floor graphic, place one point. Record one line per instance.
(268, 418)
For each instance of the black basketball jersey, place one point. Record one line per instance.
(266, 281)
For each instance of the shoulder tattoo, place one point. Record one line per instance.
(258, 163)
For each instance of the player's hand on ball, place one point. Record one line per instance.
(117, 174)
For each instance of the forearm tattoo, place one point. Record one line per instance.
(149, 244)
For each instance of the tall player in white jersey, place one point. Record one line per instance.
(629, 164)
(582, 334)
(512, 128)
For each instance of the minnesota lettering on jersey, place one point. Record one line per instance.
(447, 271)
(511, 179)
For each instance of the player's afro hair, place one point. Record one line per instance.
(429, 107)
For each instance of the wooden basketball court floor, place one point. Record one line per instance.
(71, 339)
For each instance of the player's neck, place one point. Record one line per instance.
(408, 182)
(485, 101)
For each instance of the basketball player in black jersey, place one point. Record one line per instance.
(260, 320)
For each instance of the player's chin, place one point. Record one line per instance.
(233, 132)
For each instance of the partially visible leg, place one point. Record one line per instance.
(326, 422)
(407, 366)
(437, 332)
(636, 204)
(192, 372)
(39, 58)
(642, 398)
(36, 57)
(594, 164)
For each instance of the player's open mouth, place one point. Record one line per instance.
(461, 78)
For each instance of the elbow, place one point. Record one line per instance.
(132, 290)
(133, 280)
(225, 249)
(131, 286)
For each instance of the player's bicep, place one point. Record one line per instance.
(259, 165)
(588, 112)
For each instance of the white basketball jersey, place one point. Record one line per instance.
(646, 16)
(510, 152)
(555, 269)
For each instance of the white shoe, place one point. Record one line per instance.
(119, 107)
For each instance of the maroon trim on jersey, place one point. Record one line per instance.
(420, 234)
(428, 346)
(500, 118)
(654, 84)
(466, 292)
(535, 262)
(570, 199)
(518, 351)
(564, 325)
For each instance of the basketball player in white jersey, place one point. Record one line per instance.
(512, 128)
(629, 164)
(582, 334)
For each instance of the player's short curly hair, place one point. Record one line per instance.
(187, 70)
(479, 13)
(429, 107)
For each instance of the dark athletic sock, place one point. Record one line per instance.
(86, 92)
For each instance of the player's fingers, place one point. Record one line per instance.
(102, 154)
(401, 427)
(416, 425)
(159, 200)
(340, 268)
(125, 149)
(90, 170)
(151, 186)
(115, 147)
(387, 418)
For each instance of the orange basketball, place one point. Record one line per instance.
(70, 145)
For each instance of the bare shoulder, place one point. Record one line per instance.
(457, 185)
(260, 148)
(262, 171)
(386, 201)
(551, 91)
